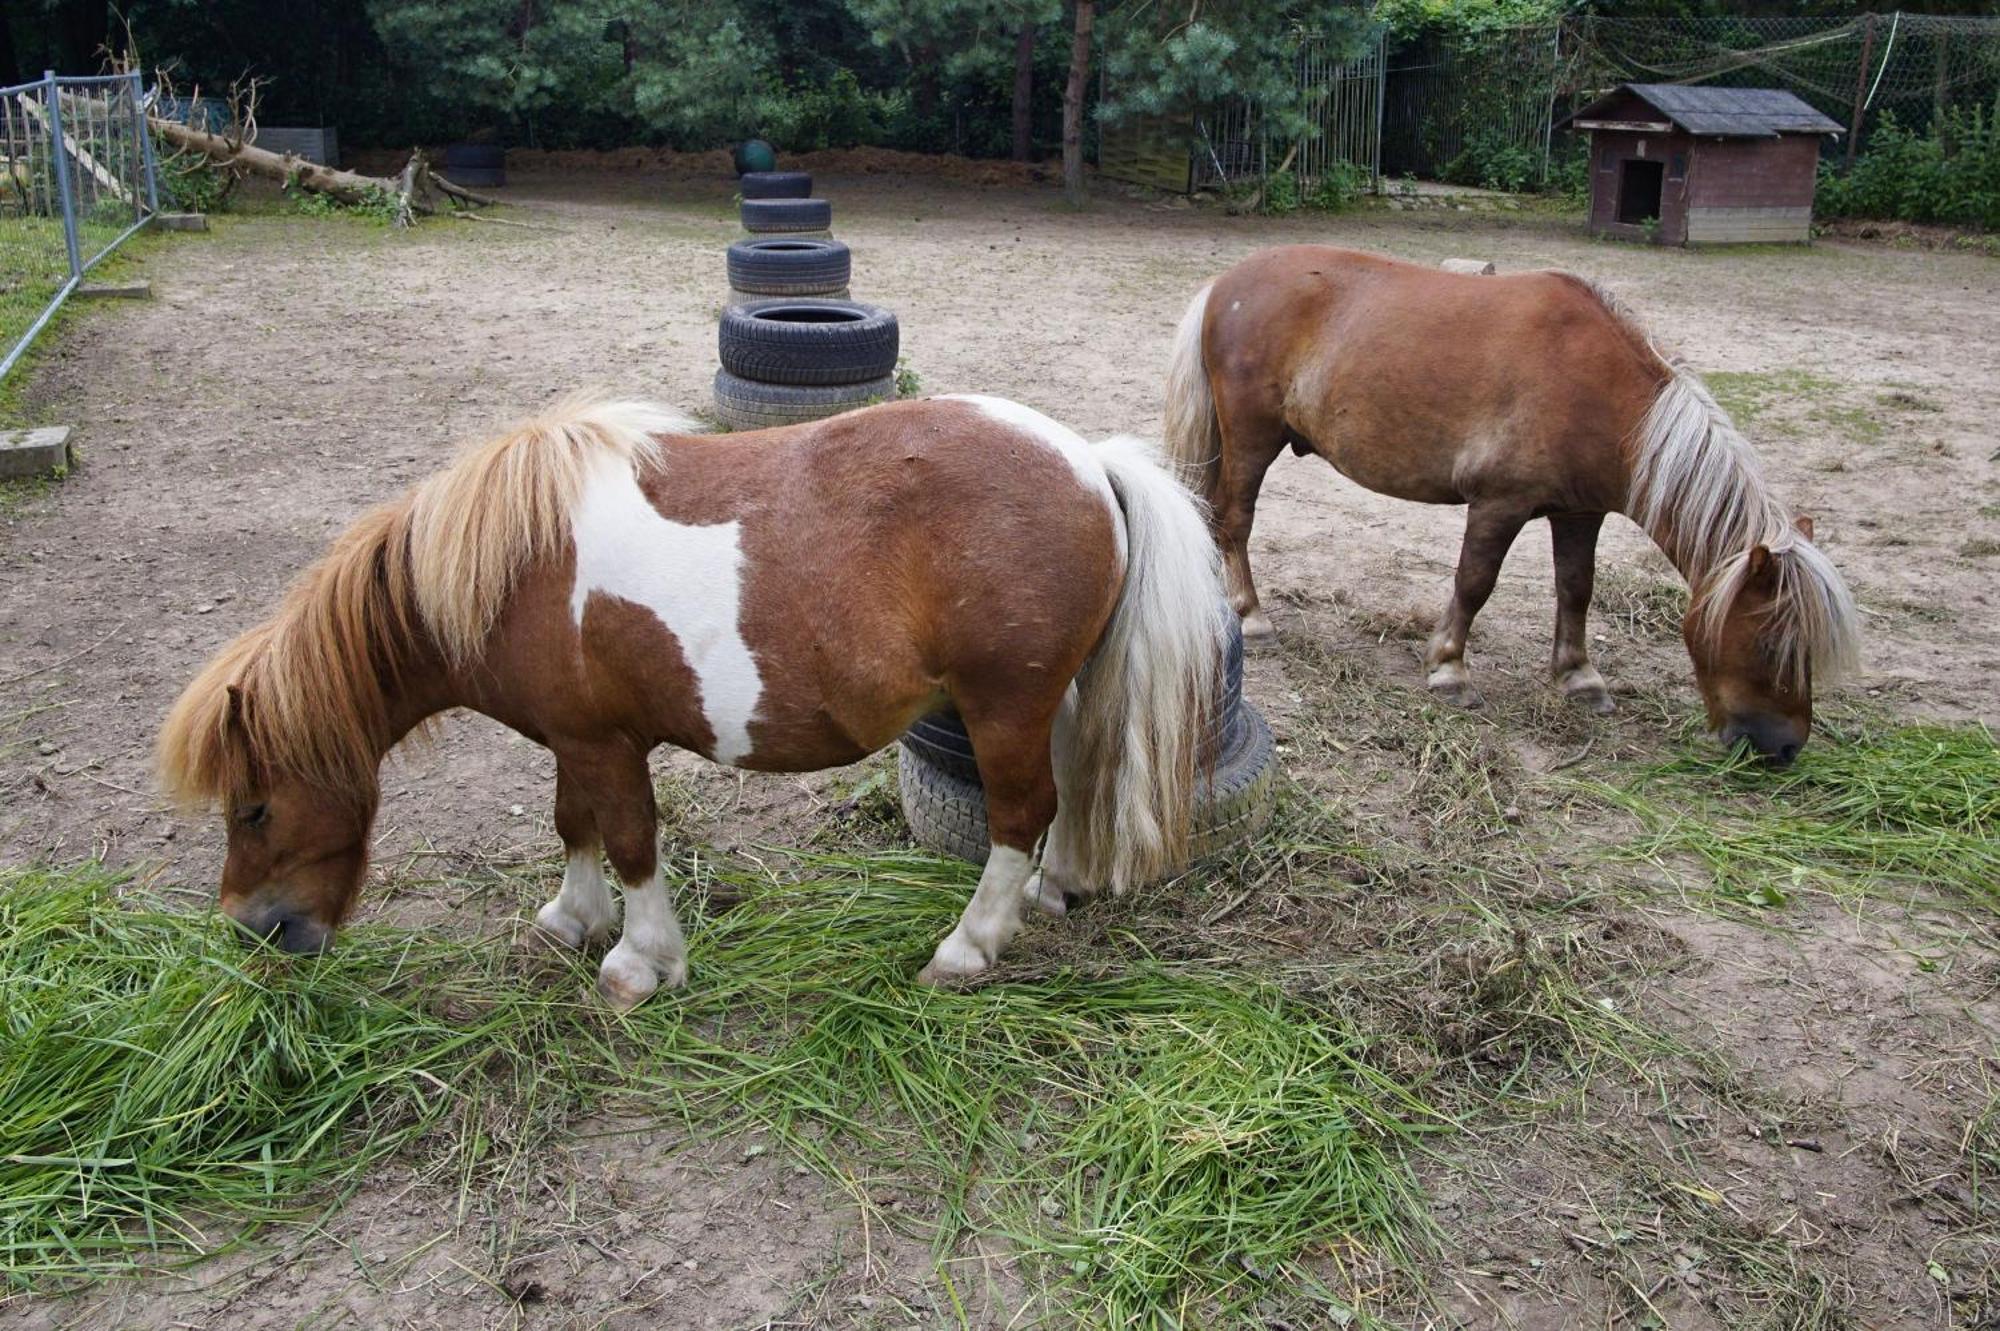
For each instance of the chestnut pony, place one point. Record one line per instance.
(1521, 397)
(603, 580)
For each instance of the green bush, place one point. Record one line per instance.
(1339, 186)
(1281, 194)
(1950, 175)
(1490, 161)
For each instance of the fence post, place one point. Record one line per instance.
(53, 123)
(146, 143)
(1860, 89)
(1381, 105)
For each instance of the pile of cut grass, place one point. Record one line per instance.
(1165, 1138)
(1913, 809)
(162, 1089)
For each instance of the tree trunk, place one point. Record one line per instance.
(1024, 90)
(1079, 71)
(410, 192)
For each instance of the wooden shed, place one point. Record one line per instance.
(1677, 164)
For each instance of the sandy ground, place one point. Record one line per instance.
(291, 372)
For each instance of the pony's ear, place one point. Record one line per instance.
(1804, 525)
(1760, 568)
(238, 708)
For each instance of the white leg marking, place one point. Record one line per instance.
(650, 954)
(583, 912)
(689, 577)
(990, 921)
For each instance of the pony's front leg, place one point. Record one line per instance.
(1490, 530)
(583, 912)
(651, 952)
(1573, 538)
(1020, 803)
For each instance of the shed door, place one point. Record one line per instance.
(1639, 190)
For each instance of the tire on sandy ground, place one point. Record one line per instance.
(789, 266)
(769, 215)
(799, 340)
(745, 404)
(947, 812)
(775, 185)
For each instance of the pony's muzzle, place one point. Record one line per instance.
(283, 928)
(1776, 742)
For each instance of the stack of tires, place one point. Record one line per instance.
(790, 360)
(793, 347)
(946, 806)
(780, 203)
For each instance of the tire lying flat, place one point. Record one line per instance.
(766, 215)
(808, 342)
(947, 813)
(776, 185)
(745, 404)
(789, 266)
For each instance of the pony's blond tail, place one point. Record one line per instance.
(1194, 436)
(506, 503)
(1125, 765)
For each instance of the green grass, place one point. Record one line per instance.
(1161, 1140)
(1909, 809)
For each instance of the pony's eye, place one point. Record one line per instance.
(252, 816)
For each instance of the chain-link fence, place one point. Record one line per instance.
(76, 179)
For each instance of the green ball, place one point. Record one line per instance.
(755, 155)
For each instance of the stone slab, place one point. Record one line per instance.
(180, 222)
(116, 290)
(1480, 267)
(34, 452)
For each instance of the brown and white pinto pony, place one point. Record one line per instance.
(604, 580)
(1521, 397)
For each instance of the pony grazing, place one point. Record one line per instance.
(1521, 397)
(604, 580)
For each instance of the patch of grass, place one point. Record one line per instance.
(1748, 394)
(153, 1076)
(1162, 1136)
(1909, 807)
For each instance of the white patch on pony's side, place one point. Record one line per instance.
(689, 577)
(1051, 433)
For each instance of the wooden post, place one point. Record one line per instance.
(1079, 70)
(1860, 89)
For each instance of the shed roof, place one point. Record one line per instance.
(1762, 113)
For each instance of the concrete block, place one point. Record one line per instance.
(1478, 267)
(34, 452)
(179, 222)
(116, 290)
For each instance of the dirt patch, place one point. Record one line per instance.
(291, 372)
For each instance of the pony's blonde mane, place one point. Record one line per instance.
(306, 692)
(1698, 489)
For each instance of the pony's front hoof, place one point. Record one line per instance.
(553, 924)
(1049, 898)
(1257, 627)
(628, 979)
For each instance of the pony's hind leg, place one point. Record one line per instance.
(1490, 529)
(583, 911)
(650, 952)
(1573, 537)
(1250, 444)
(1015, 768)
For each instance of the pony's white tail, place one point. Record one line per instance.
(1126, 760)
(1194, 437)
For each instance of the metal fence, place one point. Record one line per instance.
(77, 178)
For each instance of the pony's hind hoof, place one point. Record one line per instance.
(627, 979)
(556, 926)
(1458, 692)
(1597, 700)
(1257, 627)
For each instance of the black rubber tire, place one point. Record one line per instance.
(808, 341)
(745, 404)
(472, 164)
(776, 185)
(947, 812)
(940, 739)
(787, 266)
(768, 215)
